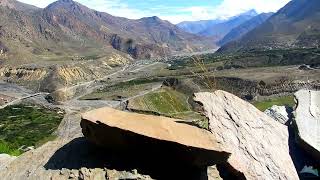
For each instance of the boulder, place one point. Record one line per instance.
(278, 113)
(155, 138)
(307, 121)
(258, 144)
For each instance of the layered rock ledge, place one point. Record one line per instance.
(153, 137)
(307, 121)
(258, 144)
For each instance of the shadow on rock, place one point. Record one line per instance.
(299, 156)
(82, 153)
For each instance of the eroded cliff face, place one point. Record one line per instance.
(58, 79)
(73, 74)
(60, 76)
(22, 74)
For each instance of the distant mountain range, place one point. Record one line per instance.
(244, 28)
(68, 28)
(196, 27)
(222, 29)
(297, 25)
(217, 28)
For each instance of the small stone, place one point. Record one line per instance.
(135, 172)
(278, 113)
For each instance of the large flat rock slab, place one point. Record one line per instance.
(258, 144)
(155, 137)
(307, 120)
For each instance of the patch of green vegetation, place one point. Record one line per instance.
(170, 103)
(194, 61)
(164, 101)
(251, 58)
(276, 57)
(26, 126)
(5, 148)
(279, 101)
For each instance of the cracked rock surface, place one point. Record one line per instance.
(258, 144)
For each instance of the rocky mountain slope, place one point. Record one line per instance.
(244, 28)
(297, 25)
(66, 28)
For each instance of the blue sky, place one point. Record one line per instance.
(176, 11)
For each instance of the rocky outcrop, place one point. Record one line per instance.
(258, 144)
(154, 137)
(307, 121)
(278, 113)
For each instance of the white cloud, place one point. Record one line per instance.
(226, 9)
(114, 7)
(231, 7)
(38, 3)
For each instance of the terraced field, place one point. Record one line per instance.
(23, 126)
(279, 101)
(164, 101)
(170, 103)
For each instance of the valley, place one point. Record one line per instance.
(145, 86)
(162, 87)
(88, 95)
